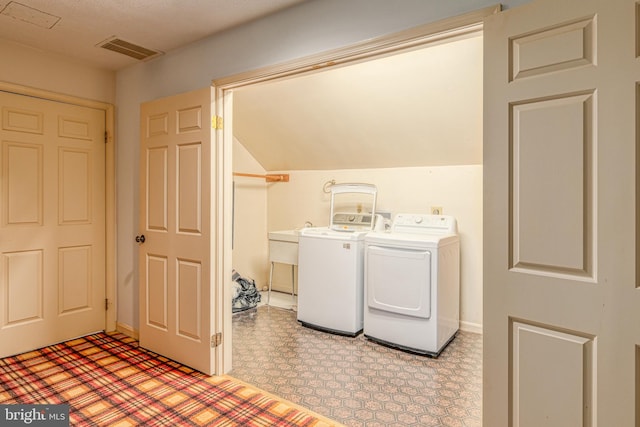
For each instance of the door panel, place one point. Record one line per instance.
(156, 298)
(177, 295)
(156, 203)
(559, 47)
(23, 192)
(74, 279)
(52, 222)
(561, 305)
(75, 172)
(548, 363)
(24, 287)
(189, 190)
(552, 151)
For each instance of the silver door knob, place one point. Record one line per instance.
(140, 238)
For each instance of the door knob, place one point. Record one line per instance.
(140, 238)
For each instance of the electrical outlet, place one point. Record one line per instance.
(436, 210)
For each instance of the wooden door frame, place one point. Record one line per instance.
(110, 184)
(414, 38)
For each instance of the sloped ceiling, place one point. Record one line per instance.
(418, 108)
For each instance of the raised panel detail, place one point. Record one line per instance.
(189, 286)
(74, 186)
(189, 189)
(158, 125)
(561, 47)
(74, 279)
(638, 43)
(552, 377)
(22, 294)
(189, 119)
(22, 198)
(157, 181)
(22, 120)
(69, 127)
(157, 291)
(637, 165)
(637, 388)
(552, 186)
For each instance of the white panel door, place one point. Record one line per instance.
(52, 222)
(177, 298)
(562, 307)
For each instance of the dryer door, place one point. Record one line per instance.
(398, 280)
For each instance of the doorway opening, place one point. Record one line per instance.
(256, 86)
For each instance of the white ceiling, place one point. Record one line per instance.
(74, 27)
(419, 108)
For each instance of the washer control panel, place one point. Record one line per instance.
(424, 224)
(351, 221)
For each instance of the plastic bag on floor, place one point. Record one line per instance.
(245, 293)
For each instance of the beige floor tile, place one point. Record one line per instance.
(356, 381)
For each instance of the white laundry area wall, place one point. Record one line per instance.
(250, 245)
(457, 189)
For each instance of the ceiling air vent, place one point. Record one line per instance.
(130, 49)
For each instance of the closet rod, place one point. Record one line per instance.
(281, 177)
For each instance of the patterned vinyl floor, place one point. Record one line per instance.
(354, 380)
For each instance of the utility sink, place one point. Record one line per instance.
(283, 246)
(284, 235)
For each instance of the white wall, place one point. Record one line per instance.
(457, 189)
(307, 29)
(250, 248)
(30, 67)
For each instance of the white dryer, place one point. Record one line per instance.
(412, 284)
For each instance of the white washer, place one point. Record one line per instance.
(412, 284)
(331, 262)
(331, 280)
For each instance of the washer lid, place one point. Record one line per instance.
(352, 206)
(328, 233)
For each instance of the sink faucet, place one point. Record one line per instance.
(308, 224)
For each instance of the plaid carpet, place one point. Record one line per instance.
(108, 381)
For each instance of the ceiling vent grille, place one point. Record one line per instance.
(130, 49)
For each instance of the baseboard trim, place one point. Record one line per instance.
(476, 328)
(127, 330)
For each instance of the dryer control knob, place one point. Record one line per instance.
(418, 219)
